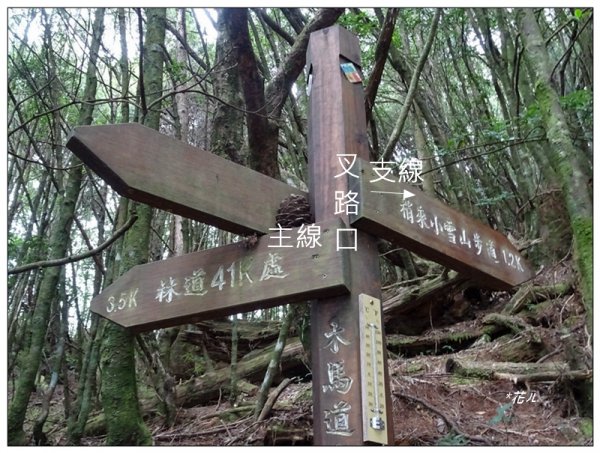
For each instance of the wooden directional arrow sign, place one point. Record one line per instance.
(146, 166)
(226, 280)
(430, 228)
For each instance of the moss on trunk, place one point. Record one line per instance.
(563, 156)
(124, 422)
(583, 234)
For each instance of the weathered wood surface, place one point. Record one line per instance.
(471, 341)
(225, 280)
(507, 370)
(337, 126)
(534, 294)
(147, 166)
(434, 230)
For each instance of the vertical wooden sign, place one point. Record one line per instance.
(337, 136)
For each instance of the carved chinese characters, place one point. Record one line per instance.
(225, 280)
(467, 236)
(336, 418)
(432, 229)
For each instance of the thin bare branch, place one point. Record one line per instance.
(389, 149)
(72, 259)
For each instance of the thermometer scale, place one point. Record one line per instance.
(373, 382)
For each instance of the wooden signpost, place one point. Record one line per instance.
(351, 395)
(223, 281)
(337, 132)
(147, 166)
(434, 230)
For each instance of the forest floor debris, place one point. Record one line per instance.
(434, 401)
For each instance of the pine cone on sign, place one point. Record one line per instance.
(293, 212)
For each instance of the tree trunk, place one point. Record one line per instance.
(264, 104)
(125, 425)
(274, 363)
(227, 137)
(564, 157)
(39, 436)
(233, 391)
(59, 242)
(436, 129)
(412, 90)
(423, 152)
(87, 386)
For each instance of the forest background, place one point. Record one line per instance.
(497, 103)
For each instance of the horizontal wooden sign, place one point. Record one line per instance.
(432, 229)
(226, 280)
(149, 167)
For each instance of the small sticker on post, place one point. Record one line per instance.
(351, 72)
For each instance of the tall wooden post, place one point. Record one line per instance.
(337, 127)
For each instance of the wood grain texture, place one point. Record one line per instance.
(436, 231)
(337, 125)
(152, 168)
(224, 281)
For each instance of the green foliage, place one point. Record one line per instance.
(414, 18)
(359, 22)
(503, 414)
(497, 131)
(452, 438)
(578, 100)
(366, 26)
(586, 426)
(531, 114)
(198, 363)
(580, 15)
(15, 243)
(492, 200)
(177, 69)
(581, 102)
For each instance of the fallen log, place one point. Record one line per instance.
(272, 399)
(214, 384)
(281, 434)
(412, 309)
(512, 323)
(576, 375)
(533, 294)
(437, 342)
(216, 336)
(409, 298)
(503, 370)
